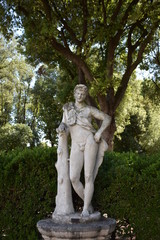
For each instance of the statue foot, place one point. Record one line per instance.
(85, 213)
(90, 209)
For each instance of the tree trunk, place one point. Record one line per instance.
(81, 77)
(64, 204)
(108, 134)
(107, 106)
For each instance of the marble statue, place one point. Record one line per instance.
(87, 150)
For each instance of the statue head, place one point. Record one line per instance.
(81, 87)
(80, 92)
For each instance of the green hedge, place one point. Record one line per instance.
(27, 191)
(127, 188)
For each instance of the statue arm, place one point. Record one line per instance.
(63, 126)
(106, 120)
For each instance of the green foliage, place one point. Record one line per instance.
(6, 79)
(132, 104)
(128, 189)
(15, 95)
(102, 38)
(14, 136)
(45, 106)
(27, 191)
(130, 137)
(103, 41)
(137, 119)
(15, 79)
(152, 62)
(22, 90)
(65, 82)
(151, 91)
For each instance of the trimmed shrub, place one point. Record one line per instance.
(128, 189)
(28, 190)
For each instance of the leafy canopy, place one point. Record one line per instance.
(100, 42)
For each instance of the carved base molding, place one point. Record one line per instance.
(98, 229)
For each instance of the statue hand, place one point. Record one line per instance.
(97, 137)
(62, 128)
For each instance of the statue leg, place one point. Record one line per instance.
(76, 164)
(90, 154)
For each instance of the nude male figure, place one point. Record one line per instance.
(77, 118)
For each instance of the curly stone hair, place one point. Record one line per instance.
(82, 87)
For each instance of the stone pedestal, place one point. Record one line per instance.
(77, 227)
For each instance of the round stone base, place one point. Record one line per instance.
(98, 230)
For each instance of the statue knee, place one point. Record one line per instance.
(89, 178)
(73, 179)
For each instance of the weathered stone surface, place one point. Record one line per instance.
(87, 149)
(101, 229)
(76, 218)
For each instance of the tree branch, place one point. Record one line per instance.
(81, 79)
(117, 36)
(103, 103)
(142, 47)
(85, 15)
(64, 39)
(117, 10)
(22, 10)
(128, 10)
(156, 84)
(131, 67)
(157, 57)
(66, 26)
(132, 48)
(115, 39)
(72, 57)
(47, 9)
(104, 13)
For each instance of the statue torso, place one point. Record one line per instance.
(81, 117)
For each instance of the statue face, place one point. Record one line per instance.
(79, 95)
